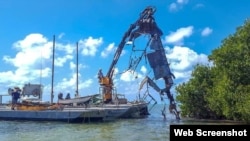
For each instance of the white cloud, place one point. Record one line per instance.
(86, 84)
(33, 60)
(67, 48)
(175, 6)
(111, 48)
(89, 46)
(127, 76)
(184, 76)
(178, 36)
(183, 59)
(70, 84)
(72, 65)
(206, 31)
(67, 83)
(31, 40)
(30, 49)
(130, 75)
(35, 48)
(5, 76)
(30, 61)
(60, 61)
(143, 69)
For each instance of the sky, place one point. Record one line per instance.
(191, 30)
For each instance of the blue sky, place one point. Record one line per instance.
(192, 29)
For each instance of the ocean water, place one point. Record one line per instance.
(152, 128)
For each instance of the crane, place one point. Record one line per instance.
(106, 81)
(146, 25)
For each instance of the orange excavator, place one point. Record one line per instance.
(145, 25)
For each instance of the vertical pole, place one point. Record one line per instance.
(77, 94)
(40, 87)
(52, 83)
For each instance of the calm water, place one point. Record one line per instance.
(153, 128)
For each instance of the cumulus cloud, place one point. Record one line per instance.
(86, 84)
(30, 40)
(35, 48)
(72, 65)
(183, 59)
(30, 50)
(32, 54)
(89, 46)
(178, 36)
(69, 84)
(67, 48)
(33, 59)
(60, 61)
(5, 76)
(206, 31)
(111, 48)
(128, 76)
(66, 83)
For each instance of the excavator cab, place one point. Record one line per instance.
(106, 88)
(105, 81)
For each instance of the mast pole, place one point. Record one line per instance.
(77, 94)
(41, 71)
(53, 59)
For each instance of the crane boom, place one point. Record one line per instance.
(106, 81)
(149, 11)
(157, 59)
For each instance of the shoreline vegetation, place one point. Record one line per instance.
(221, 89)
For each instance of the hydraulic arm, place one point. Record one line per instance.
(145, 25)
(106, 81)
